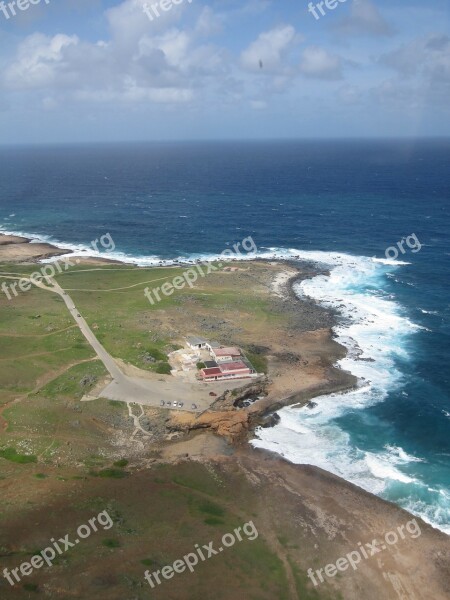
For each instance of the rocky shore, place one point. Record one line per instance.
(301, 367)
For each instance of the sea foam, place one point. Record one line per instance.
(375, 331)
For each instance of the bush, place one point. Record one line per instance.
(111, 543)
(163, 368)
(109, 473)
(157, 354)
(12, 455)
(214, 521)
(211, 508)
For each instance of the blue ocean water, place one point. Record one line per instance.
(338, 203)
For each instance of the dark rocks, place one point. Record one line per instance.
(146, 424)
(255, 349)
(289, 357)
(269, 421)
(147, 358)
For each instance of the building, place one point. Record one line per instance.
(213, 346)
(226, 363)
(226, 354)
(237, 369)
(211, 374)
(196, 343)
(210, 364)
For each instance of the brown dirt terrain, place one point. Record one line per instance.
(304, 516)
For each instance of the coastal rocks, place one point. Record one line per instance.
(231, 425)
(230, 400)
(268, 421)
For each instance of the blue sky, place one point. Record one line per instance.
(93, 70)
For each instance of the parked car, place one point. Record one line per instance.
(175, 404)
(168, 404)
(194, 407)
(212, 394)
(180, 404)
(162, 403)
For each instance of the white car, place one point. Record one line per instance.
(175, 404)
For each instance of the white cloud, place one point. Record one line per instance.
(39, 59)
(209, 23)
(427, 56)
(318, 63)
(365, 18)
(269, 51)
(423, 74)
(135, 65)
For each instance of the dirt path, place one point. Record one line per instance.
(127, 287)
(137, 424)
(38, 335)
(35, 354)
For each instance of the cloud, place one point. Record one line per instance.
(318, 63)
(137, 64)
(364, 18)
(423, 74)
(209, 23)
(38, 62)
(427, 56)
(268, 52)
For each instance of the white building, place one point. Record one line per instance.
(196, 343)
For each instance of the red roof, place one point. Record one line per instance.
(212, 371)
(233, 366)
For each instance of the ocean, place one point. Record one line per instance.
(377, 213)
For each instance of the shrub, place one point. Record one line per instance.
(111, 543)
(163, 368)
(157, 354)
(109, 473)
(12, 455)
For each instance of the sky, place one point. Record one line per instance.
(104, 70)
